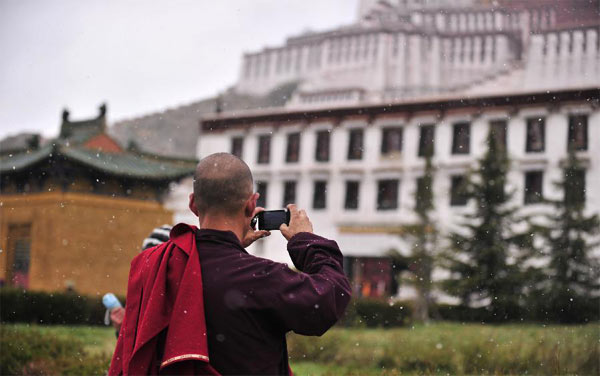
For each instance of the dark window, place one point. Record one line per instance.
(237, 146)
(535, 135)
(292, 153)
(575, 187)
(322, 151)
(19, 245)
(289, 192)
(264, 149)
(458, 196)
(352, 191)
(533, 187)
(498, 129)
(391, 140)
(578, 137)
(387, 194)
(461, 138)
(426, 140)
(320, 195)
(355, 146)
(261, 189)
(423, 194)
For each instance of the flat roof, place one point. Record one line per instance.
(237, 119)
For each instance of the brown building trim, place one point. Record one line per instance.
(282, 117)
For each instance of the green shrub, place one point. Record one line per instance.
(30, 351)
(62, 308)
(372, 313)
(538, 310)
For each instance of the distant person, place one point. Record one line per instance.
(116, 313)
(200, 304)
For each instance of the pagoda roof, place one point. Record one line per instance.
(126, 164)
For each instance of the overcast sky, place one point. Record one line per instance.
(138, 56)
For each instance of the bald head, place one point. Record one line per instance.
(222, 183)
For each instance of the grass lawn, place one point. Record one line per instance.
(442, 348)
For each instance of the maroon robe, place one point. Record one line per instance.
(248, 304)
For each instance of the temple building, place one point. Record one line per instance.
(414, 49)
(405, 77)
(75, 209)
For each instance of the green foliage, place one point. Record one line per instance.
(33, 351)
(451, 349)
(423, 238)
(570, 282)
(479, 253)
(57, 308)
(374, 313)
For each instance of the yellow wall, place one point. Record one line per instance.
(85, 239)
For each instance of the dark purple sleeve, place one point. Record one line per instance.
(310, 301)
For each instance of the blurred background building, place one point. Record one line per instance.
(369, 98)
(75, 208)
(337, 121)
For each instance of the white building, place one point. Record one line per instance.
(403, 49)
(355, 168)
(347, 145)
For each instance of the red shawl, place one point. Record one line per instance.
(164, 330)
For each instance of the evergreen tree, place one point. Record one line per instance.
(423, 236)
(485, 254)
(570, 288)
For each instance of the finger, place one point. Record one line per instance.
(293, 209)
(283, 227)
(262, 233)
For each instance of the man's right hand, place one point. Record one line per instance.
(299, 222)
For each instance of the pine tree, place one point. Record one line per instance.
(423, 238)
(570, 288)
(485, 254)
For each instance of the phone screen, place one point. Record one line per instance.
(272, 219)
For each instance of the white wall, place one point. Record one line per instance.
(407, 167)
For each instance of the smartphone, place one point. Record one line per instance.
(272, 219)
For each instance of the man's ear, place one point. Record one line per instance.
(192, 205)
(251, 204)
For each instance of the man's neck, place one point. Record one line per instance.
(223, 224)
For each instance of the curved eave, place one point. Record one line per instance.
(127, 165)
(115, 164)
(21, 161)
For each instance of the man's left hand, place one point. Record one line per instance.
(253, 235)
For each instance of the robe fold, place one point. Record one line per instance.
(231, 315)
(164, 328)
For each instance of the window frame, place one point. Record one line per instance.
(458, 138)
(571, 134)
(292, 150)
(319, 196)
(356, 152)
(531, 194)
(529, 134)
(264, 157)
(262, 199)
(320, 155)
(423, 144)
(501, 140)
(458, 197)
(386, 148)
(287, 185)
(395, 183)
(241, 146)
(347, 200)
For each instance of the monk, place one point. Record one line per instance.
(200, 304)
